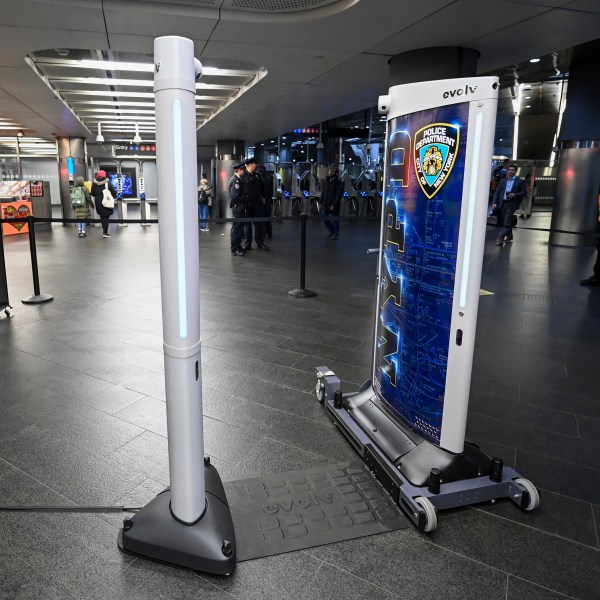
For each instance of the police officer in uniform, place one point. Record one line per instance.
(256, 199)
(237, 202)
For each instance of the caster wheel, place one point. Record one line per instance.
(430, 514)
(534, 495)
(320, 391)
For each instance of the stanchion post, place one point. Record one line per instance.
(38, 297)
(4, 303)
(302, 292)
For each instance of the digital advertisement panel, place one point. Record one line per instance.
(425, 161)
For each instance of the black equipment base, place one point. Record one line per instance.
(302, 293)
(39, 299)
(208, 545)
(419, 476)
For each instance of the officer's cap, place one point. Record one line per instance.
(250, 161)
(238, 165)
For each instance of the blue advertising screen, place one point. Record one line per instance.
(128, 176)
(425, 157)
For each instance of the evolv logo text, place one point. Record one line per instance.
(460, 91)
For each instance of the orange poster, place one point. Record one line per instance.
(15, 210)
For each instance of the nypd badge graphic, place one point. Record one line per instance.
(435, 151)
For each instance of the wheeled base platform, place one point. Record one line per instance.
(419, 476)
(208, 545)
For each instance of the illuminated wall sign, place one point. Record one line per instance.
(137, 149)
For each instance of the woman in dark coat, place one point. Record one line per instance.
(104, 213)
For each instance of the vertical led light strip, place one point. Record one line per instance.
(464, 280)
(178, 163)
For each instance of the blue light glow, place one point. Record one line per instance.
(464, 280)
(180, 232)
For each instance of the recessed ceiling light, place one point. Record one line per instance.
(528, 106)
(527, 97)
(534, 60)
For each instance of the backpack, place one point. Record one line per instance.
(202, 197)
(107, 198)
(77, 197)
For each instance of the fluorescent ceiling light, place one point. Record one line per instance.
(114, 93)
(534, 60)
(132, 118)
(114, 65)
(117, 110)
(108, 103)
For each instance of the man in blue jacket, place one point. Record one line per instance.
(507, 198)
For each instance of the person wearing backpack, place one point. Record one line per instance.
(205, 198)
(99, 185)
(81, 201)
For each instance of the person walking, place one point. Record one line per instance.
(594, 280)
(100, 184)
(507, 198)
(254, 192)
(237, 202)
(331, 199)
(205, 196)
(81, 200)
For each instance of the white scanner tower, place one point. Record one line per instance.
(189, 524)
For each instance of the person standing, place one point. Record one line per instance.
(594, 280)
(237, 202)
(99, 184)
(331, 199)
(268, 188)
(256, 199)
(205, 196)
(81, 201)
(507, 198)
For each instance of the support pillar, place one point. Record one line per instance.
(576, 201)
(228, 153)
(69, 148)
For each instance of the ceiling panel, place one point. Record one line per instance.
(459, 24)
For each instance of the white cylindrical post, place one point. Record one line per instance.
(174, 88)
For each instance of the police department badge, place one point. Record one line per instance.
(435, 151)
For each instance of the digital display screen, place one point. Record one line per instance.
(128, 178)
(425, 157)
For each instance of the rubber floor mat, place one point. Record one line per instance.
(302, 509)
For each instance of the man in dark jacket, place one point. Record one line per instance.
(507, 198)
(331, 198)
(255, 195)
(99, 184)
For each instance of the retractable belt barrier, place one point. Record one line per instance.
(40, 298)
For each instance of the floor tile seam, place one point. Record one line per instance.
(349, 573)
(144, 429)
(577, 426)
(537, 529)
(337, 360)
(314, 577)
(309, 329)
(89, 451)
(596, 526)
(393, 592)
(549, 457)
(541, 586)
(333, 459)
(45, 485)
(41, 574)
(422, 537)
(553, 432)
(214, 585)
(280, 410)
(475, 411)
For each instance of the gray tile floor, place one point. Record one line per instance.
(82, 419)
